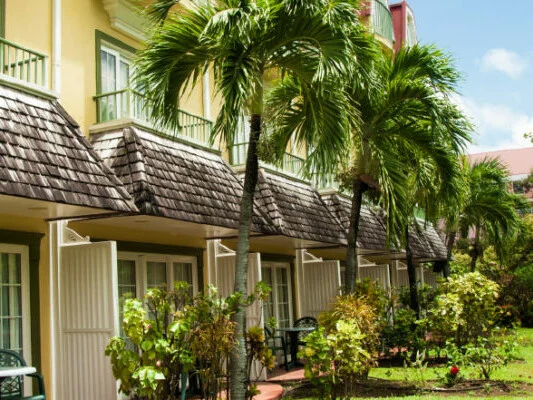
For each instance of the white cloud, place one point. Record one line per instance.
(497, 127)
(504, 61)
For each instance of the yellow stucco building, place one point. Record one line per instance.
(95, 202)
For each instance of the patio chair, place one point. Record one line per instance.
(276, 343)
(13, 387)
(304, 322)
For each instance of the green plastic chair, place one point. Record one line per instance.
(13, 388)
(276, 343)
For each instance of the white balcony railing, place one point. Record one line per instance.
(23, 64)
(130, 104)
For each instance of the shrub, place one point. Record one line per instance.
(344, 347)
(466, 309)
(403, 334)
(173, 334)
(485, 354)
(161, 347)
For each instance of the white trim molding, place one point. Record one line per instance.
(126, 17)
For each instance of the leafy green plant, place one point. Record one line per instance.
(487, 354)
(416, 362)
(335, 360)
(400, 336)
(159, 333)
(466, 309)
(344, 347)
(169, 334)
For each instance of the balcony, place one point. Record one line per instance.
(131, 104)
(291, 164)
(23, 65)
(381, 20)
(325, 182)
(411, 38)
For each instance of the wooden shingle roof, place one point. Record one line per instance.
(426, 244)
(44, 156)
(372, 233)
(174, 180)
(297, 209)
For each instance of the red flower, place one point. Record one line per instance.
(454, 370)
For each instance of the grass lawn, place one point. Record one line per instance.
(517, 376)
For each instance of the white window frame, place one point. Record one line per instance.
(141, 268)
(25, 295)
(273, 266)
(120, 55)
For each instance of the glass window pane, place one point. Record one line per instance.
(11, 301)
(183, 273)
(108, 72)
(124, 75)
(127, 286)
(156, 274)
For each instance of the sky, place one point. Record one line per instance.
(492, 44)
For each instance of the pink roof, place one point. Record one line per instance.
(517, 161)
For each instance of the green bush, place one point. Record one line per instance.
(171, 334)
(161, 345)
(345, 346)
(486, 354)
(402, 335)
(466, 309)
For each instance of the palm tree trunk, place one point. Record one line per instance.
(450, 241)
(475, 250)
(351, 272)
(239, 376)
(411, 272)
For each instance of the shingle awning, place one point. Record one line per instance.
(44, 156)
(372, 233)
(297, 209)
(174, 180)
(426, 243)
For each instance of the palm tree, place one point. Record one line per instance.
(243, 41)
(434, 182)
(489, 209)
(403, 105)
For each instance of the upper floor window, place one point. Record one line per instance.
(114, 66)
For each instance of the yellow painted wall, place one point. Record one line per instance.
(28, 24)
(80, 19)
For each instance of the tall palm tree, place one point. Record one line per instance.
(403, 105)
(489, 209)
(434, 182)
(394, 103)
(244, 41)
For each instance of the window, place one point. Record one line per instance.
(139, 272)
(114, 61)
(14, 299)
(278, 305)
(115, 71)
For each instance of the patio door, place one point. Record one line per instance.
(15, 299)
(115, 72)
(278, 306)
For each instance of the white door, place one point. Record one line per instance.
(321, 282)
(88, 318)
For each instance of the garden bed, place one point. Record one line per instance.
(376, 388)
